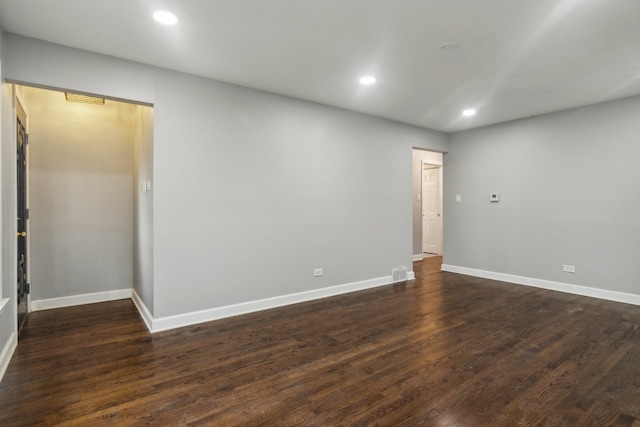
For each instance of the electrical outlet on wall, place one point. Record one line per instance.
(569, 268)
(318, 272)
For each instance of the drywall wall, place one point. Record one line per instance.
(82, 71)
(81, 181)
(272, 188)
(6, 132)
(143, 205)
(420, 156)
(8, 315)
(569, 187)
(252, 191)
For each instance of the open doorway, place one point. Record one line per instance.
(84, 196)
(431, 209)
(22, 214)
(427, 204)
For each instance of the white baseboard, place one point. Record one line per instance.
(7, 353)
(3, 303)
(547, 284)
(46, 304)
(143, 310)
(186, 319)
(418, 257)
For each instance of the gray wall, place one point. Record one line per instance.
(569, 187)
(81, 174)
(252, 191)
(272, 188)
(81, 71)
(8, 212)
(143, 206)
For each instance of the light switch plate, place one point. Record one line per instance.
(494, 197)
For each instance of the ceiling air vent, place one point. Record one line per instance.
(76, 97)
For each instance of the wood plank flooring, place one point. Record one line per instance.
(443, 350)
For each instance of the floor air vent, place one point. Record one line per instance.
(399, 274)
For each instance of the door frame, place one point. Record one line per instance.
(22, 115)
(440, 232)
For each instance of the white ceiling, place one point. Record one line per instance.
(511, 58)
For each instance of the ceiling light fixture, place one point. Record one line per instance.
(84, 99)
(164, 17)
(468, 113)
(367, 80)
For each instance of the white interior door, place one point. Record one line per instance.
(431, 217)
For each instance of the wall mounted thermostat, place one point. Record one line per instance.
(494, 197)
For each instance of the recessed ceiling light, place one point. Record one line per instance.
(367, 80)
(164, 17)
(468, 113)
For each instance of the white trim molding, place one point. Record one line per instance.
(3, 304)
(143, 310)
(547, 284)
(7, 353)
(186, 319)
(418, 257)
(46, 304)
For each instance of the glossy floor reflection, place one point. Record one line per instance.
(444, 349)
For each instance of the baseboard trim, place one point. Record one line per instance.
(547, 284)
(193, 318)
(3, 303)
(418, 257)
(47, 304)
(147, 318)
(7, 353)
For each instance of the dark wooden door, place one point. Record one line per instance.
(23, 216)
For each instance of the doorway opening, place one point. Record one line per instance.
(87, 187)
(22, 214)
(431, 210)
(427, 204)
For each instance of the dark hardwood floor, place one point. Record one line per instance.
(443, 350)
